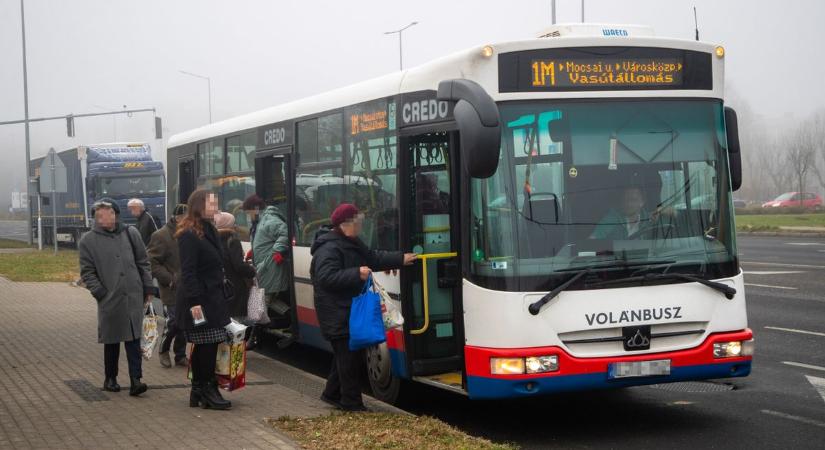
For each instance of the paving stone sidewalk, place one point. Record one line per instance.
(51, 370)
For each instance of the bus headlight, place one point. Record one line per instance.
(541, 364)
(733, 349)
(487, 51)
(507, 366)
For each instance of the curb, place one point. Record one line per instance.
(369, 400)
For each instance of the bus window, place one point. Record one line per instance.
(317, 193)
(371, 186)
(210, 158)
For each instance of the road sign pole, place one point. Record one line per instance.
(52, 156)
(39, 222)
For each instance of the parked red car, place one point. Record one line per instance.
(792, 199)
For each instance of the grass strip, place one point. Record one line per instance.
(772, 222)
(40, 266)
(372, 430)
(13, 243)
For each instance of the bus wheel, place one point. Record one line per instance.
(385, 386)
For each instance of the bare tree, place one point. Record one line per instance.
(801, 156)
(817, 136)
(775, 164)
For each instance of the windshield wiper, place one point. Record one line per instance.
(721, 287)
(535, 307)
(617, 264)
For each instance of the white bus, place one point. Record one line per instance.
(570, 197)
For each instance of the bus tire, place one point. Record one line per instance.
(385, 385)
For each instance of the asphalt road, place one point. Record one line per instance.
(777, 406)
(13, 229)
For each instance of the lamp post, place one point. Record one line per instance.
(26, 117)
(208, 86)
(400, 51)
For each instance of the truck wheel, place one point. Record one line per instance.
(385, 385)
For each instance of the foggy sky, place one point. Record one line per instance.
(97, 55)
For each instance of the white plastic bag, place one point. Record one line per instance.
(390, 311)
(236, 331)
(256, 305)
(150, 333)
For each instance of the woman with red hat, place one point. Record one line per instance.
(341, 263)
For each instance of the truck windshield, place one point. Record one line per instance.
(125, 186)
(603, 184)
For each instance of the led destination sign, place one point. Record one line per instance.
(603, 72)
(604, 69)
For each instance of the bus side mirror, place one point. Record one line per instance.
(476, 114)
(559, 130)
(734, 154)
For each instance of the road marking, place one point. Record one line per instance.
(772, 272)
(804, 243)
(799, 266)
(806, 366)
(793, 330)
(796, 418)
(770, 286)
(818, 383)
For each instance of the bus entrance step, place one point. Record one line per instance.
(452, 381)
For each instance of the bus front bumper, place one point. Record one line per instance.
(576, 374)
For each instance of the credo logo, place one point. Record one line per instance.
(423, 111)
(274, 136)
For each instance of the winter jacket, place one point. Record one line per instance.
(334, 270)
(146, 225)
(201, 279)
(271, 236)
(238, 272)
(118, 277)
(165, 261)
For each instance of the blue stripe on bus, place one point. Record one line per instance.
(399, 363)
(483, 387)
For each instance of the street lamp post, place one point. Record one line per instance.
(26, 117)
(400, 50)
(208, 86)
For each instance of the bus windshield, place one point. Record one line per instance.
(124, 186)
(604, 184)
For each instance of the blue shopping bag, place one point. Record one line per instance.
(366, 327)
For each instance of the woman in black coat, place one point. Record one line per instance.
(341, 263)
(201, 295)
(238, 272)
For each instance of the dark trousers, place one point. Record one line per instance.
(343, 383)
(203, 362)
(111, 356)
(172, 332)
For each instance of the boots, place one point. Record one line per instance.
(137, 387)
(165, 361)
(196, 394)
(111, 385)
(211, 398)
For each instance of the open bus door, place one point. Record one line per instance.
(433, 335)
(273, 175)
(186, 179)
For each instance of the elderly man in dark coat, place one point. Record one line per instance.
(114, 266)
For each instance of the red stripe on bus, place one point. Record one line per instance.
(307, 316)
(395, 339)
(478, 358)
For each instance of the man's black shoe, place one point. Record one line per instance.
(355, 408)
(137, 387)
(111, 385)
(331, 401)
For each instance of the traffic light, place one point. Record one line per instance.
(70, 126)
(158, 128)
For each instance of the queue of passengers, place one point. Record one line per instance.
(191, 257)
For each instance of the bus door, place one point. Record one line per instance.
(186, 178)
(431, 288)
(272, 183)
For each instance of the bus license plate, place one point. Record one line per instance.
(638, 369)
